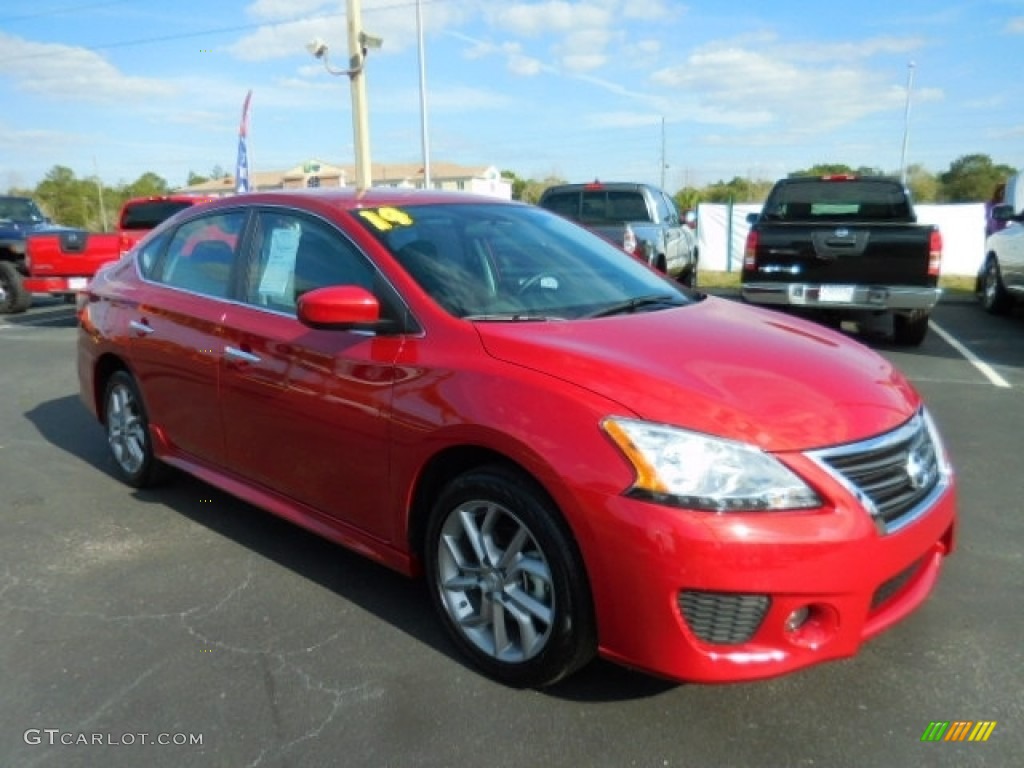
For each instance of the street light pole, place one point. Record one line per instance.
(360, 120)
(906, 123)
(424, 132)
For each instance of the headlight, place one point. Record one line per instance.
(688, 469)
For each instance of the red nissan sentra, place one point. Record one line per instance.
(581, 457)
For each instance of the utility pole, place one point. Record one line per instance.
(424, 131)
(906, 124)
(360, 119)
(663, 166)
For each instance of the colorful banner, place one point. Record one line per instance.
(242, 164)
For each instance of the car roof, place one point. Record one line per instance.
(350, 198)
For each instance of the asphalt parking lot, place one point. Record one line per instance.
(184, 616)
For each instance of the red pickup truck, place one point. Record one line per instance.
(61, 262)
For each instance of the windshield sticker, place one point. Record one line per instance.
(387, 218)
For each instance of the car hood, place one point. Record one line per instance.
(720, 368)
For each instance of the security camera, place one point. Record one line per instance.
(317, 47)
(369, 41)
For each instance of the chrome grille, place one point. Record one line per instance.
(723, 618)
(894, 475)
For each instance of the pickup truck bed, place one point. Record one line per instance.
(845, 248)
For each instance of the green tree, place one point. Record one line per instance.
(738, 190)
(532, 190)
(824, 169)
(147, 185)
(971, 178)
(518, 184)
(687, 198)
(196, 178)
(922, 183)
(68, 200)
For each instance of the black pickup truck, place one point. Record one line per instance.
(845, 248)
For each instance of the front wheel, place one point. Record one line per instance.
(13, 296)
(910, 330)
(994, 297)
(128, 438)
(507, 579)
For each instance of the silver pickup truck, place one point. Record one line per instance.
(641, 218)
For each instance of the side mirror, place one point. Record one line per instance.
(690, 219)
(338, 306)
(752, 218)
(1003, 212)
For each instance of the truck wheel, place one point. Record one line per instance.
(910, 330)
(994, 297)
(13, 296)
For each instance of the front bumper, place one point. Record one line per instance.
(726, 598)
(843, 297)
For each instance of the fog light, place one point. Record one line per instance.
(797, 619)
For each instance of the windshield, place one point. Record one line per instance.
(21, 210)
(492, 262)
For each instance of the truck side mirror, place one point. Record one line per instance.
(752, 218)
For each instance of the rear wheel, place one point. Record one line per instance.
(994, 297)
(910, 330)
(507, 580)
(128, 438)
(13, 296)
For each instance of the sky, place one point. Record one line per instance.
(676, 94)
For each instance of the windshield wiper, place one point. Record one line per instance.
(639, 302)
(512, 317)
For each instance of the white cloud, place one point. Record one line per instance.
(1015, 25)
(554, 16)
(274, 10)
(652, 10)
(69, 73)
(781, 85)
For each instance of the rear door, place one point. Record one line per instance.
(176, 329)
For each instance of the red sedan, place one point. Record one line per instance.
(581, 456)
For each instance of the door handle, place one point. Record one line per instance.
(140, 326)
(241, 355)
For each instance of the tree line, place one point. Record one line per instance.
(91, 204)
(969, 179)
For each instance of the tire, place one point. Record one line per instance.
(994, 298)
(910, 330)
(128, 436)
(689, 278)
(13, 296)
(507, 580)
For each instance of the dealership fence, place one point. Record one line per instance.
(722, 232)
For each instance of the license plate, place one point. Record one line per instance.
(78, 283)
(836, 294)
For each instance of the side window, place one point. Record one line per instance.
(667, 210)
(149, 255)
(295, 254)
(201, 254)
(564, 204)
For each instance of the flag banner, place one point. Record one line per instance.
(242, 164)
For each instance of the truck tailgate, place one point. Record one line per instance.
(70, 253)
(891, 253)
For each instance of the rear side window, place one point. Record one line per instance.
(148, 214)
(200, 256)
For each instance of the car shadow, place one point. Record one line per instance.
(402, 602)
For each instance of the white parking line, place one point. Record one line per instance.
(987, 370)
